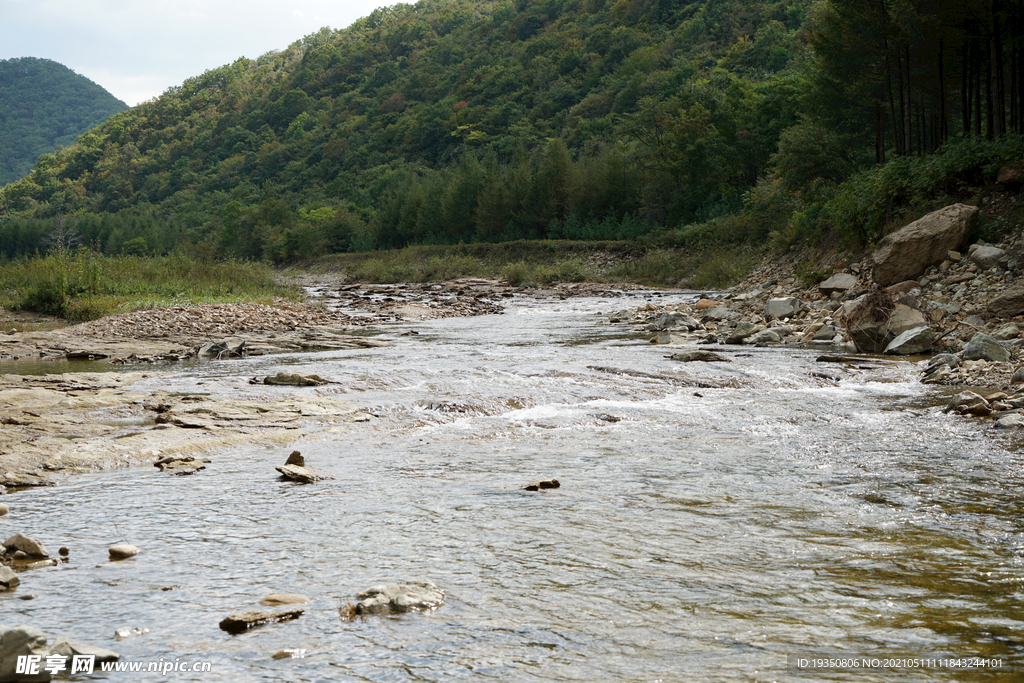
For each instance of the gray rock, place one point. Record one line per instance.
(948, 359)
(16, 641)
(984, 347)
(743, 330)
(908, 252)
(8, 579)
(718, 313)
(32, 547)
(966, 401)
(70, 648)
(294, 379)
(1018, 375)
(840, 282)
(825, 333)
(674, 319)
(1009, 303)
(399, 597)
(706, 356)
(873, 336)
(917, 340)
(226, 348)
(1010, 421)
(305, 475)
(986, 257)
(122, 551)
(763, 337)
(238, 623)
(623, 316)
(1007, 332)
(784, 307)
(936, 374)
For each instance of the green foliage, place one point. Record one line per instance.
(83, 284)
(441, 122)
(43, 106)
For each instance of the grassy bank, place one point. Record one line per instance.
(543, 262)
(83, 285)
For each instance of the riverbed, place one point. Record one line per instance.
(715, 521)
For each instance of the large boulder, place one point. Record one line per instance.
(16, 641)
(908, 252)
(917, 340)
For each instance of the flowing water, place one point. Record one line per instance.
(716, 522)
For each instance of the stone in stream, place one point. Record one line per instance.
(295, 469)
(4, 509)
(180, 464)
(700, 355)
(69, 648)
(32, 547)
(968, 402)
(8, 579)
(278, 599)
(538, 484)
(18, 641)
(294, 379)
(226, 348)
(239, 623)
(408, 596)
(122, 551)
(1011, 421)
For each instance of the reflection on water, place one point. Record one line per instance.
(713, 519)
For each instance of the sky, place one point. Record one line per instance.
(137, 49)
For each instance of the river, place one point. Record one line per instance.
(715, 521)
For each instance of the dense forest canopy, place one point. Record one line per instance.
(43, 106)
(455, 121)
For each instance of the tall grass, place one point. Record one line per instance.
(84, 285)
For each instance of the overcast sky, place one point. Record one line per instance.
(137, 49)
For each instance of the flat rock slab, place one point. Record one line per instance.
(122, 551)
(294, 379)
(706, 356)
(239, 623)
(305, 475)
(278, 599)
(409, 596)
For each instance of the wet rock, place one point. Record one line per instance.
(917, 340)
(239, 623)
(68, 648)
(122, 551)
(226, 348)
(967, 402)
(706, 356)
(294, 379)
(984, 347)
(872, 330)
(4, 509)
(295, 469)
(784, 307)
(840, 282)
(407, 596)
(17, 641)
(908, 252)
(986, 256)
(278, 599)
(538, 484)
(123, 633)
(180, 464)
(936, 374)
(1011, 421)
(8, 579)
(672, 320)
(295, 653)
(32, 547)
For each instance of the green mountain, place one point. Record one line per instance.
(465, 120)
(43, 106)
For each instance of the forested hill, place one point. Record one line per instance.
(470, 120)
(44, 105)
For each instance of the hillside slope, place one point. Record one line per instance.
(43, 106)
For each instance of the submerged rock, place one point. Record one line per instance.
(294, 379)
(539, 484)
(409, 596)
(706, 356)
(278, 599)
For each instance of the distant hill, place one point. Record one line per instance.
(44, 105)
